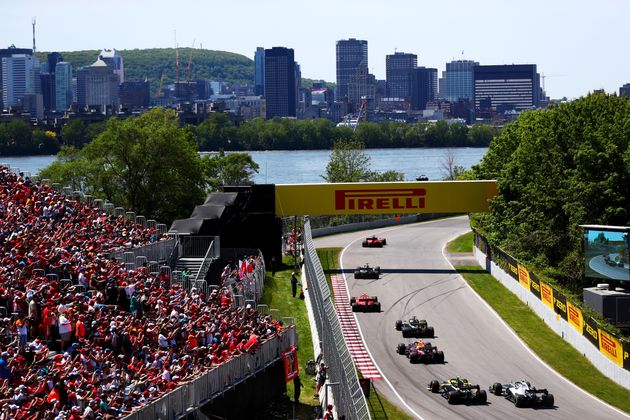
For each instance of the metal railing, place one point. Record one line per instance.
(249, 287)
(348, 395)
(197, 246)
(200, 391)
(211, 255)
(157, 251)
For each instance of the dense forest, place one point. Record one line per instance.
(18, 138)
(150, 63)
(557, 169)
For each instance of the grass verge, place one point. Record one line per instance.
(550, 347)
(463, 243)
(277, 294)
(380, 408)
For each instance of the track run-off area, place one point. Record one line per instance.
(417, 279)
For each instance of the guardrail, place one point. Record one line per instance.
(189, 397)
(159, 251)
(606, 351)
(348, 395)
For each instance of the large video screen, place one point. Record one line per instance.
(606, 253)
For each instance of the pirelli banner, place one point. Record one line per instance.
(384, 198)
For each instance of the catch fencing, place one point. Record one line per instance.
(347, 394)
(603, 348)
(191, 396)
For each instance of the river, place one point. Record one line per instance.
(308, 166)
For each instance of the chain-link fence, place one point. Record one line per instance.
(348, 395)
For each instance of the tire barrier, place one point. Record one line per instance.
(348, 395)
(609, 353)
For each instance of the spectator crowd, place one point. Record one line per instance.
(109, 340)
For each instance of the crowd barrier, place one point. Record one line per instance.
(609, 353)
(347, 394)
(193, 395)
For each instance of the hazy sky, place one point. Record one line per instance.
(579, 45)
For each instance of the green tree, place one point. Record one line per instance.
(229, 169)
(349, 163)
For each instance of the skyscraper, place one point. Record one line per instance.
(63, 86)
(97, 85)
(362, 86)
(20, 76)
(351, 53)
(115, 61)
(506, 87)
(460, 80)
(47, 78)
(625, 90)
(399, 68)
(424, 87)
(259, 71)
(280, 83)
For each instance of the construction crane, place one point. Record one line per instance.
(176, 59)
(159, 92)
(190, 61)
(543, 76)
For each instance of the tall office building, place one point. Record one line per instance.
(259, 71)
(135, 94)
(351, 53)
(362, 86)
(114, 60)
(280, 83)
(424, 87)
(460, 80)
(47, 79)
(625, 90)
(506, 87)
(20, 76)
(399, 68)
(63, 86)
(97, 85)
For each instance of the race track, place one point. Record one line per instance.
(418, 280)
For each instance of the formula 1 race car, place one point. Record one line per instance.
(523, 394)
(365, 303)
(420, 352)
(458, 390)
(374, 242)
(367, 272)
(415, 328)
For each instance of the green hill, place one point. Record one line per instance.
(149, 63)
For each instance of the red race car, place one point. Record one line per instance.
(365, 303)
(374, 242)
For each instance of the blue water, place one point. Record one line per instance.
(308, 166)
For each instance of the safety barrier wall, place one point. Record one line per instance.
(373, 224)
(193, 395)
(608, 353)
(348, 395)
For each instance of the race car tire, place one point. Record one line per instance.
(357, 275)
(430, 332)
(355, 307)
(398, 325)
(364, 244)
(414, 358)
(439, 356)
(520, 400)
(453, 397)
(384, 241)
(377, 307)
(377, 270)
(434, 386)
(352, 300)
(548, 400)
(496, 388)
(401, 348)
(482, 397)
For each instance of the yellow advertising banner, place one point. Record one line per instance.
(523, 276)
(574, 316)
(384, 198)
(611, 347)
(546, 295)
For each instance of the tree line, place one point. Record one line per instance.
(557, 169)
(18, 138)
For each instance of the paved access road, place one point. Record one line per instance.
(418, 280)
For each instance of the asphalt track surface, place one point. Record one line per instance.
(417, 279)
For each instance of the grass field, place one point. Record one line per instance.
(463, 243)
(550, 347)
(380, 408)
(277, 294)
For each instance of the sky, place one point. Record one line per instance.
(579, 45)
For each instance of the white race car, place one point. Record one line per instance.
(523, 394)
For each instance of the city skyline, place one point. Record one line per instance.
(575, 44)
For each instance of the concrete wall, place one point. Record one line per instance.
(374, 224)
(557, 323)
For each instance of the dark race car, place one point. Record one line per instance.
(374, 242)
(415, 327)
(458, 390)
(367, 272)
(523, 394)
(421, 352)
(365, 303)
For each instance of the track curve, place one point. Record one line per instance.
(418, 280)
